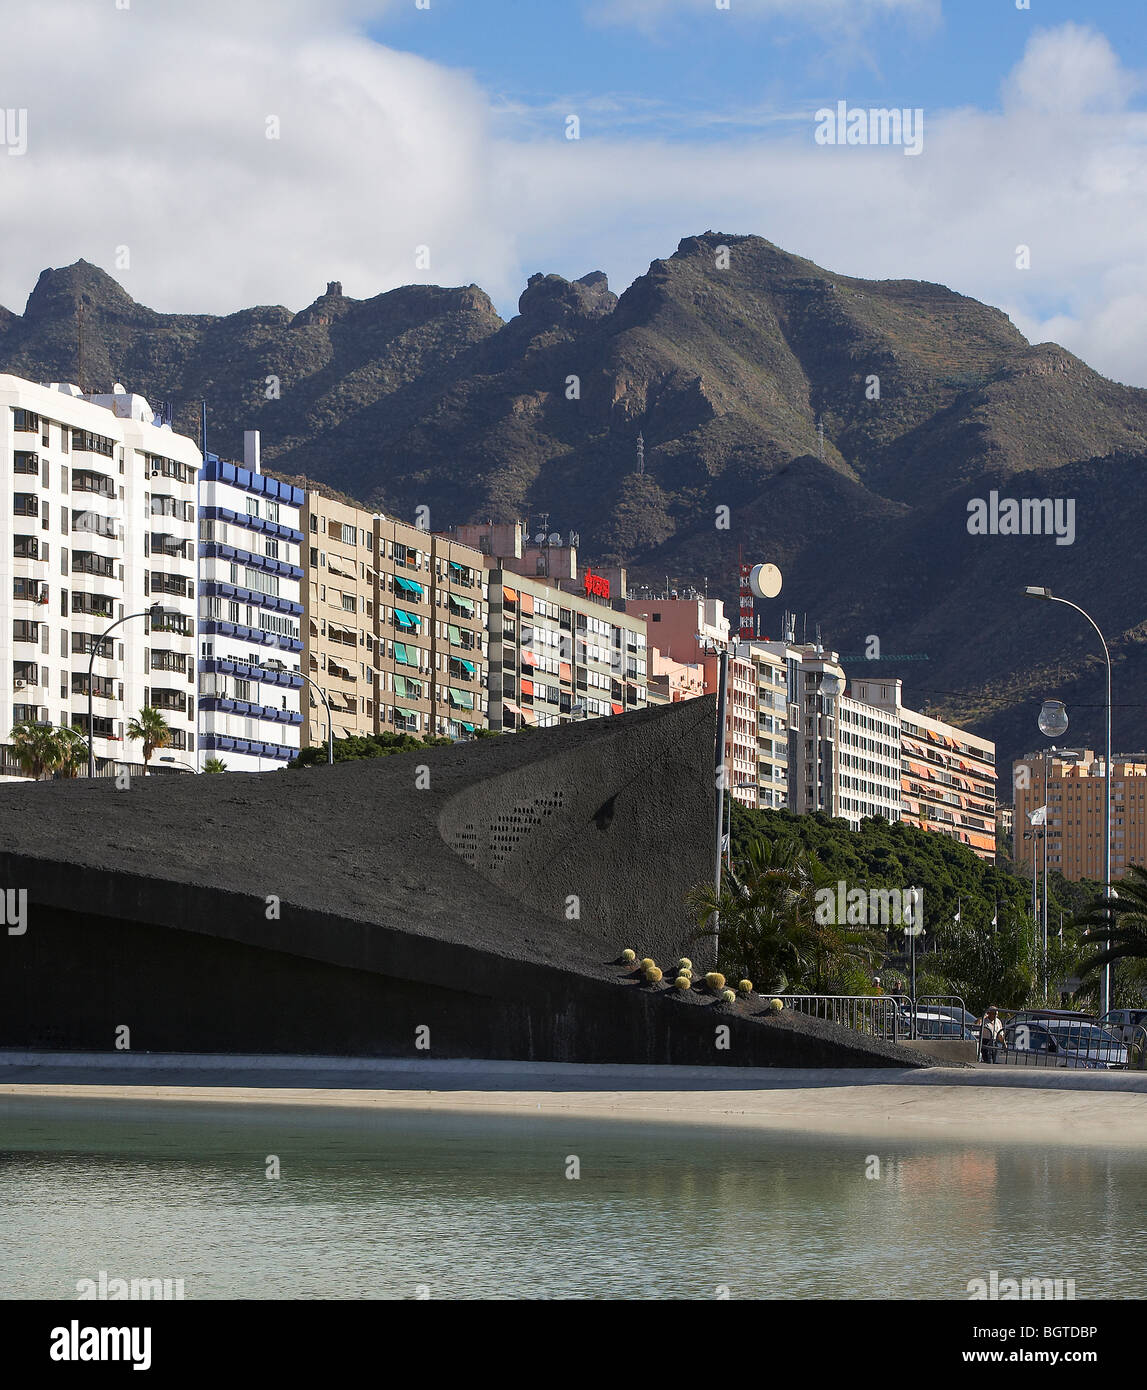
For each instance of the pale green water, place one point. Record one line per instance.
(371, 1205)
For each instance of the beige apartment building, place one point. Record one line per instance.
(1075, 802)
(395, 626)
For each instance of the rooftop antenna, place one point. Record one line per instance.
(203, 429)
(640, 452)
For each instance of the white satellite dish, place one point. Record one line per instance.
(540, 538)
(119, 390)
(765, 581)
(555, 538)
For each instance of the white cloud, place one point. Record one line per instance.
(146, 129)
(1069, 69)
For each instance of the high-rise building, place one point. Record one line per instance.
(396, 626)
(1075, 815)
(772, 723)
(99, 526)
(250, 614)
(947, 775)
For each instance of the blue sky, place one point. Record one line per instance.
(415, 145)
(694, 59)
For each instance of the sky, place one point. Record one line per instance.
(215, 154)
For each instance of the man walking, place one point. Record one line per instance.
(991, 1034)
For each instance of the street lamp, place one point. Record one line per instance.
(164, 758)
(1046, 594)
(278, 666)
(155, 613)
(1052, 723)
(706, 643)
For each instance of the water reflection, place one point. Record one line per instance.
(373, 1204)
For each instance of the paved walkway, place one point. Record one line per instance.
(983, 1104)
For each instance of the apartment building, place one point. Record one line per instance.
(98, 527)
(741, 723)
(250, 614)
(672, 681)
(395, 632)
(772, 705)
(558, 655)
(947, 775)
(1075, 802)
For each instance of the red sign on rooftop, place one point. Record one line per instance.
(595, 584)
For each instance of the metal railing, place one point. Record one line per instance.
(876, 1015)
(1028, 1041)
(1137, 1048)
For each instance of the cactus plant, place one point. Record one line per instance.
(745, 986)
(648, 963)
(682, 982)
(775, 1006)
(684, 963)
(728, 996)
(628, 956)
(653, 975)
(715, 980)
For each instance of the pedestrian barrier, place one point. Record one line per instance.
(876, 1015)
(1070, 1044)
(1137, 1048)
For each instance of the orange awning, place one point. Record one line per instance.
(529, 716)
(527, 687)
(509, 595)
(513, 708)
(617, 709)
(529, 659)
(564, 671)
(527, 603)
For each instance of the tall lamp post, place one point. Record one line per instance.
(1046, 594)
(721, 771)
(155, 612)
(1052, 723)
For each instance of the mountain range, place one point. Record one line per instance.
(840, 428)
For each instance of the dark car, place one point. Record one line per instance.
(1062, 1042)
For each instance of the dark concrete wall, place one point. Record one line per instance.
(394, 904)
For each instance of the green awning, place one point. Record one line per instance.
(400, 654)
(466, 604)
(462, 698)
(469, 665)
(408, 586)
(400, 686)
(455, 635)
(407, 620)
(468, 727)
(406, 713)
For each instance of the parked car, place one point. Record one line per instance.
(932, 1023)
(1062, 1042)
(1123, 1022)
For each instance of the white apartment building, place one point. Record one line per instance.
(868, 756)
(98, 523)
(250, 613)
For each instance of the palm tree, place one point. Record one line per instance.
(765, 914)
(152, 728)
(72, 749)
(214, 765)
(36, 748)
(1119, 921)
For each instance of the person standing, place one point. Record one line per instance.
(991, 1034)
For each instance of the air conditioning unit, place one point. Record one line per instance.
(19, 685)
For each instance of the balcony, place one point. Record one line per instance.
(171, 700)
(88, 562)
(96, 483)
(25, 547)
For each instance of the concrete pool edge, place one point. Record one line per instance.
(987, 1105)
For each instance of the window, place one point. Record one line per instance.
(272, 511)
(349, 605)
(271, 549)
(252, 506)
(25, 462)
(349, 535)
